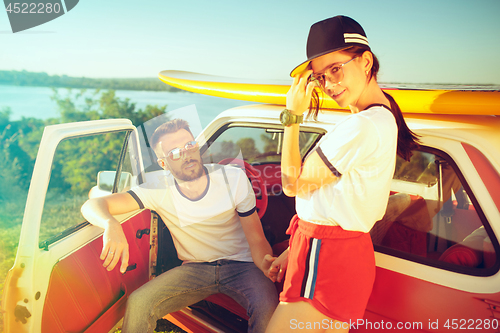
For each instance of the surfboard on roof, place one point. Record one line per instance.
(426, 101)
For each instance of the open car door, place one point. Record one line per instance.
(58, 283)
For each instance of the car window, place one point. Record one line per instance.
(256, 145)
(76, 164)
(432, 217)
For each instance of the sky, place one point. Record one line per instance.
(425, 41)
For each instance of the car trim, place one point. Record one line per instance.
(490, 177)
(45, 243)
(123, 153)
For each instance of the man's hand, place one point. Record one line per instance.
(278, 267)
(114, 247)
(99, 212)
(267, 267)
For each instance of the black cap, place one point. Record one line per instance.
(330, 35)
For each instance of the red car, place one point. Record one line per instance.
(437, 249)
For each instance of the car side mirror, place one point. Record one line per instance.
(106, 179)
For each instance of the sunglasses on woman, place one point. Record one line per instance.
(334, 74)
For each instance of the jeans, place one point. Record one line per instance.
(192, 282)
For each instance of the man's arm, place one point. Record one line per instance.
(262, 254)
(99, 212)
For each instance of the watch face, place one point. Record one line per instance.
(285, 117)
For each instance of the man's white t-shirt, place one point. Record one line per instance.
(361, 151)
(209, 228)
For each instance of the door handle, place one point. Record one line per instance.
(141, 232)
(131, 268)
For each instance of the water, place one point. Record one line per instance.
(36, 101)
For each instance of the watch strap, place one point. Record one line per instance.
(292, 118)
(298, 118)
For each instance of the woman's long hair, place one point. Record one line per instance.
(407, 140)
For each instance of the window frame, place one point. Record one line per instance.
(473, 271)
(44, 244)
(215, 135)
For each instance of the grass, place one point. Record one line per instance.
(59, 213)
(11, 217)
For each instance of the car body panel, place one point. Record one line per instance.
(408, 288)
(431, 294)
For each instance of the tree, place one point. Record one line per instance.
(13, 159)
(248, 149)
(105, 106)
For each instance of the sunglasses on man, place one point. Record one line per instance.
(176, 153)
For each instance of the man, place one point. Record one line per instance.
(210, 212)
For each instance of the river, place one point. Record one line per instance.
(36, 102)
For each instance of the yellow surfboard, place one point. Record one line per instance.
(409, 100)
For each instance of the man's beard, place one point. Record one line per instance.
(192, 175)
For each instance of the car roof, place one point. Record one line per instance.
(483, 132)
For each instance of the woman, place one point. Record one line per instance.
(342, 188)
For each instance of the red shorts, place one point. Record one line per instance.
(331, 268)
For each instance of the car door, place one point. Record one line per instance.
(58, 283)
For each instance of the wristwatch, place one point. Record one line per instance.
(287, 118)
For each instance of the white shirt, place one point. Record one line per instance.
(209, 228)
(361, 151)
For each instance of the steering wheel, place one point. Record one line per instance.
(255, 179)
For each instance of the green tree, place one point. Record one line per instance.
(248, 149)
(9, 166)
(4, 116)
(15, 163)
(24, 78)
(271, 143)
(103, 106)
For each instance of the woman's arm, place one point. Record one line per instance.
(315, 173)
(297, 178)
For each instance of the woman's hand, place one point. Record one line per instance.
(298, 97)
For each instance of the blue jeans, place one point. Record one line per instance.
(192, 282)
